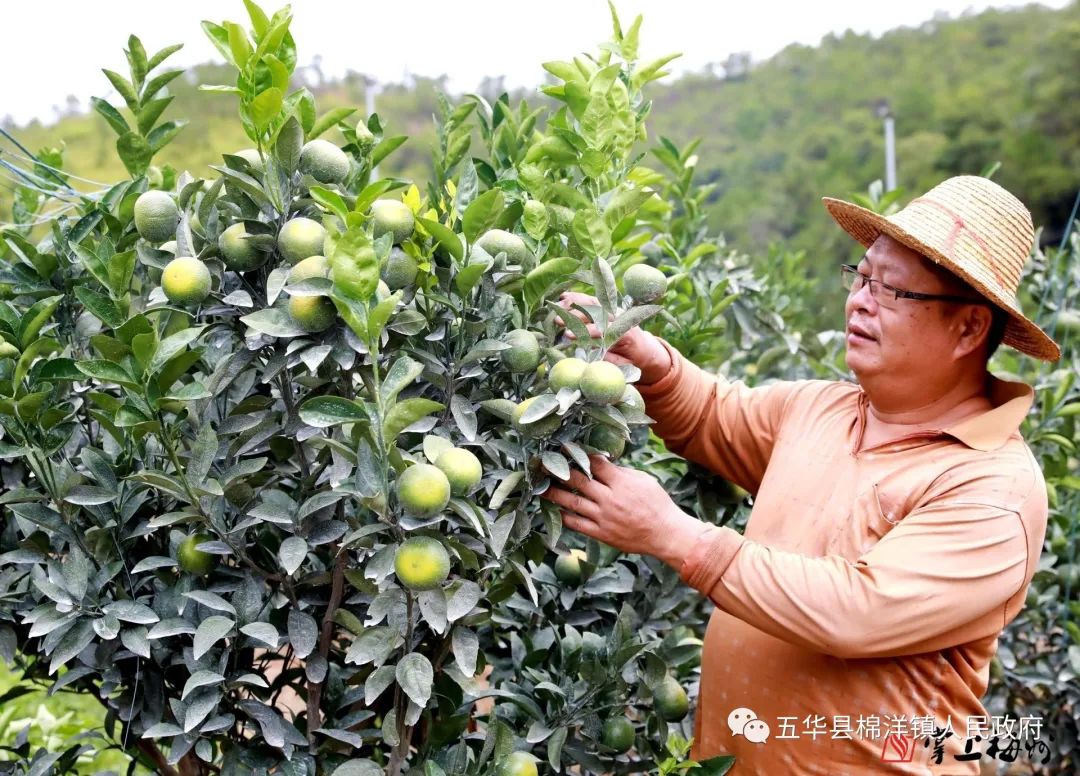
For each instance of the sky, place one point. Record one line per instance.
(464, 40)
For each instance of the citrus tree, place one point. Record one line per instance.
(273, 439)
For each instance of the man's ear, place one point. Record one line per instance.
(974, 321)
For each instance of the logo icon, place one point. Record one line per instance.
(897, 748)
(744, 722)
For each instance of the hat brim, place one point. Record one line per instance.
(866, 226)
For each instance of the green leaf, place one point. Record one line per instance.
(547, 275)
(354, 267)
(107, 372)
(111, 115)
(405, 413)
(482, 213)
(403, 371)
(124, 88)
(628, 320)
(327, 411)
(265, 107)
(172, 345)
(444, 236)
(121, 270)
(328, 120)
(199, 679)
(373, 191)
(73, 642)
(135, 152)
(210, 632)
(136, 56)
(303, 632)
(159, 82)
(150, 112)
(290, 141)
(415, 676)
(386, 147)
(535, 219)
(380, 315)
(40, 346)
(604, 284)
(162, 55)
(291, 553)
(164, 133)
(272, 321)
(330, 200)
(467, 278)
(591, 233)
(59, 369)
(238, 44)
(259, 21)
(34, 318)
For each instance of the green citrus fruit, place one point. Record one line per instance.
(608, 439)
(593, 645)
(239, 254)
(423, 489)
(631, 400)
(644, 284)
(523, 355)
(312, 313)
(324, 161)
(364, 137)
(7, 350)
(156, 216)
(301, 238)
(538, 428)
(496, 241)
(518, 764)
(618, 734)
(566, 374)
(461, 468)
(193, 560)
(671, 700)
(185, 280)
(251, 156)
(392, 216)
(602, 382)
(239, 493)
(421, 563)
(400, 270)
(568, 567)
(311, 267)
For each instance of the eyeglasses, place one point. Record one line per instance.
(890, 296)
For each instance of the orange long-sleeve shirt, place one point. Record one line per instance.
(871, 584)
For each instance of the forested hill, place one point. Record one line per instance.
(1001, 86)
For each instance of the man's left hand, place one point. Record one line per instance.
(626, 509)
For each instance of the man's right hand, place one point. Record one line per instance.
(637, 346)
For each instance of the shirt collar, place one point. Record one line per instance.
(991, 429)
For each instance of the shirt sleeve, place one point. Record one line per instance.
(942, 577)
(727, 427)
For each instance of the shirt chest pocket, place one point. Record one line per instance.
(874, 512)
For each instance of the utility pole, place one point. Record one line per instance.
(884, 112)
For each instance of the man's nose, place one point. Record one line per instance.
(861, 299)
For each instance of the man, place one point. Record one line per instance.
(897, 522)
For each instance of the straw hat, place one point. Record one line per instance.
(975, 229)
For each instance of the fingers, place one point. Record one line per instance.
(571, 501)
(576, 522)
(603, 469)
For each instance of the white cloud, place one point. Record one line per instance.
(56, 49)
